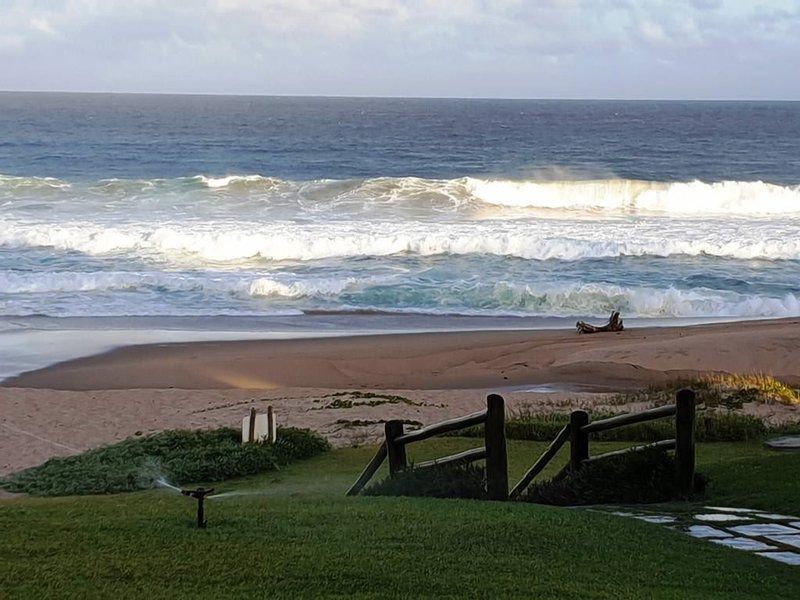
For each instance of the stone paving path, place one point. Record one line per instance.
(766, 534)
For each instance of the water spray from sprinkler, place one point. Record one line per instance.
(200, 495)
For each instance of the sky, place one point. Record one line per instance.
(670, 49)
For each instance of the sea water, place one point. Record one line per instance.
(135, 205)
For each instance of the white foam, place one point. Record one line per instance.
(601, 299)
(684, 198)
(228, 180)
(285, 285)
(266, 286)
(12, 182)
(201, 243)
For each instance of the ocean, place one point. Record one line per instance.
(167, 206)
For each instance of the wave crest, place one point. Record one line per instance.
(627, 195)
(567, 197)
(287, 241)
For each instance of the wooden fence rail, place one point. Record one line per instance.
(369, 471)
(579, 428)
(541, 463)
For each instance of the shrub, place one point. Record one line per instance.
(637, 477)
(755, 387)
(179, 457)
(440, 481)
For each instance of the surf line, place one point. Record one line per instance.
(38, 437)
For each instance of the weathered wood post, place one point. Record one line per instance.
(272, 426)
(395, 452)
(578, 440)
(496, 456)
(251, 427)
(684, 442)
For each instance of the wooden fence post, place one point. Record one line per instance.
(396, 452)
(578, 440)
(684, 442)
(251, 427)
(496, 456)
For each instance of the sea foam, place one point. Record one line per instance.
(203, 243)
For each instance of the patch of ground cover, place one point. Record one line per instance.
(646, 476)
(438, 481)
(343, 400)
(370, 422)
(178, 457)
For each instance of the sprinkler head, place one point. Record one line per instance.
(200, 495)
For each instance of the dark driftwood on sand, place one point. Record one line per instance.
(614, 324)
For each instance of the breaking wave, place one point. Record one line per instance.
(391, 295)
(601, 299)
(247, 244)
(615, 196)
(279, 286)
(748, 198)
(194, 243)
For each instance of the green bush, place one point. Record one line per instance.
(440, 481)
(710, 426)
(637, 477)
(178, 457)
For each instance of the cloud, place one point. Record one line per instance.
(390, 47)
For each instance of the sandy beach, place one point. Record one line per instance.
(73, 406)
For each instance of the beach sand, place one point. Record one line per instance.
(83, 403)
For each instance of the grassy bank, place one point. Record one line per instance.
(299, 537)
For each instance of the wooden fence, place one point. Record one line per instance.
(577, 432)
(493, 451)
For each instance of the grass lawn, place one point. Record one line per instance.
(299, 536)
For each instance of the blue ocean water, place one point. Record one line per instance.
(114, 205)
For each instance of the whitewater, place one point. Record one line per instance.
(253, 244)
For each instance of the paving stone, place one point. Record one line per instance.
(790, 558)
(773, 517)
(744, 543)
(721, 518)
(661, 519)
(786, 540)
(789, 443)
(704, 531)
(763, 529)
(728, 509)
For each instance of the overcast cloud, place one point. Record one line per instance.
(726, 49)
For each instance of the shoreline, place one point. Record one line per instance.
(36, 342)
(474, 359)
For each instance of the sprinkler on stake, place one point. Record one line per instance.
(200, 495)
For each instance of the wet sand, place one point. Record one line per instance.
(481, 359)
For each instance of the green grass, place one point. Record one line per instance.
(300, 537)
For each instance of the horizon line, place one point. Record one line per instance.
(390, 97)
